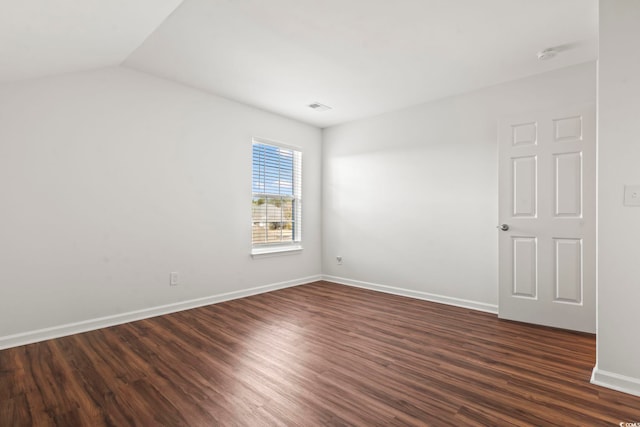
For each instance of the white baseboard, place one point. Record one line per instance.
(30, 337)
(474, 305)
(615, 381)
(118, 319)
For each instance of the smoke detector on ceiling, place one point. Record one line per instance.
(548, 53)
(319, 107)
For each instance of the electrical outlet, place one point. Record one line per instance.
(173, 278)
(339, 260)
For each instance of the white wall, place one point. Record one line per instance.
(618, 363)
(410, 197)
(109, 180)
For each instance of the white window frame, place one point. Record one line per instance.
(281, 248)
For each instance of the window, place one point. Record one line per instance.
(276, 211)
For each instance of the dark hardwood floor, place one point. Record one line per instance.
(319, 354)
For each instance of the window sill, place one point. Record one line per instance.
(275, 251)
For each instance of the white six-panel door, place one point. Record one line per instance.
(547, 185)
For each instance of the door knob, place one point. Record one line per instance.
(503, 227)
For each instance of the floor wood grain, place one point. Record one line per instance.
(315, 355)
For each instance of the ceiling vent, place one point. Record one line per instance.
(319, 107)
(547, 54)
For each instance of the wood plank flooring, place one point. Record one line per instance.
(315, 355)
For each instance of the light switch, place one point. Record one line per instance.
(632, 195)
(173, 278)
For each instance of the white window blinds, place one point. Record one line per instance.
(277, 195)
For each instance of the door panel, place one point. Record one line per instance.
(547, 197)
(568, 184)
(524, 186)
(568, 128)
(524, 134)
(568, 270)
(525, 283)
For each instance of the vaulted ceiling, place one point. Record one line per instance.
(45, 37)
(361, 57)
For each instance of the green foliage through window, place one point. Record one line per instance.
(277, 203)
